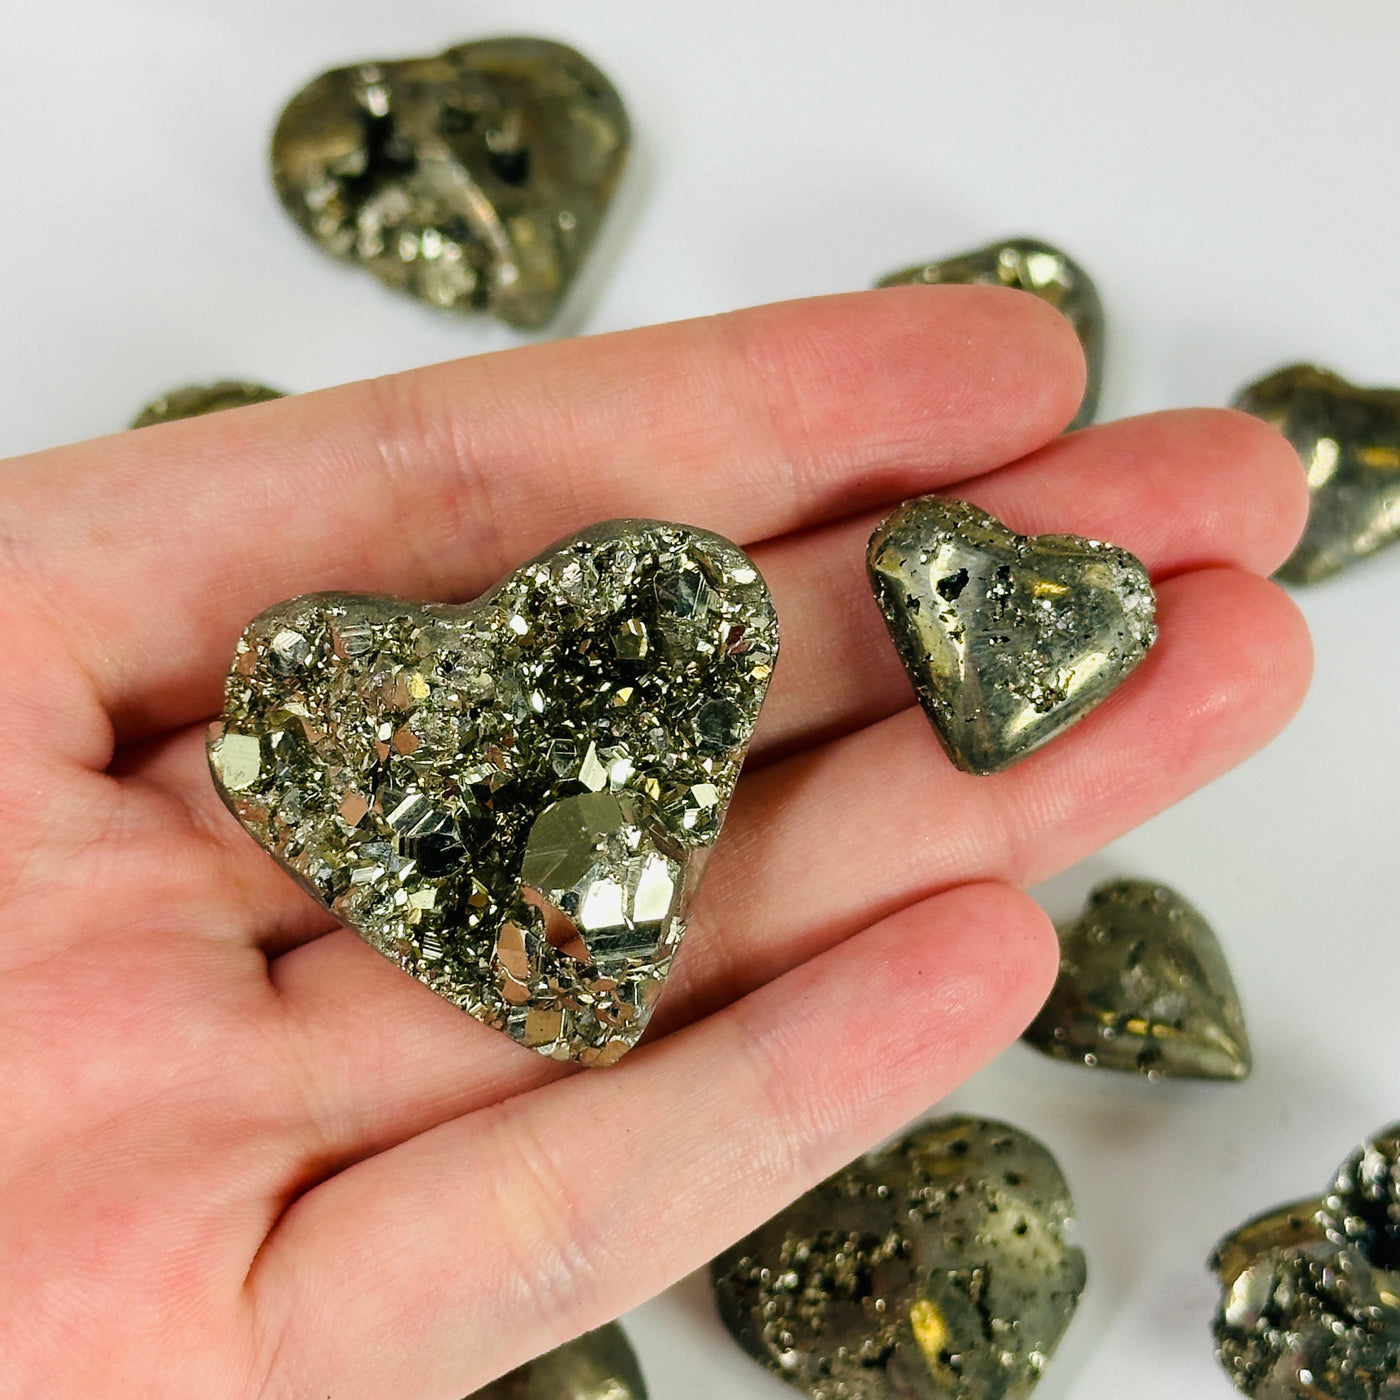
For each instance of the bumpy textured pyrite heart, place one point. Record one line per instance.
(1144, 986)
(1311, 1292)
(1029, 265)
(938, 1269)
(1349, 440)
(477, 179)
(599, 1365)
(1008, 639)
(512, 799)
(195, 400)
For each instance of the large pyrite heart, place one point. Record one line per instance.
(1144, 986)
(477, 179)
(195, 400)
(1007, 639)
(1310, 1308)
(1349, 440)
(512, 799)
(937, 1269)
(1029, 265)
(599, 1365)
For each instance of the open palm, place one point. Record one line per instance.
(243, 1155)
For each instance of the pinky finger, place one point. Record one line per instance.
(436, 1266)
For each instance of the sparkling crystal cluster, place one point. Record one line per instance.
(1310, 1308)
(938, 1269)
(512, 799)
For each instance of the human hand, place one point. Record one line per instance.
(244, 1155)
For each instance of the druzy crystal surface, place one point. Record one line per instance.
(1144, 986)
(937, 1269)
(1310, 1308)
(599, 1365)
(473, 180)
(1045, 271)
(195, 400)
(511, 799)
(1008, 639)
(1349, 441)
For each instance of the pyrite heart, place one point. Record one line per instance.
(511, 799)
(1349, 440)
(195, 400)
(476, 179)
(1029, 265)
(1310, 1293)
(1144, 986)
(937, 1269)
(599, 1365)
(1007, 639)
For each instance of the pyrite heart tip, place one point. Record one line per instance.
(473, 180)
(599, 1365)
(1029, 265)
(1008, 639)
(1144, 987)
(512, 799)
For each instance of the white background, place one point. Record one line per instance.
(1227, 172)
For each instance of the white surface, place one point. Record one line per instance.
(1226, 172)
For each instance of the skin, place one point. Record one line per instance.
(244, 1156)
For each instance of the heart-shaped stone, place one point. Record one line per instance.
(195, 400)
(599, 1365)
(1045, 271)
(1008, 639)
(1144, 986)
(1349, 440)
(938, 1269)
(1310, 1305)
(476, 179)
(512, 799)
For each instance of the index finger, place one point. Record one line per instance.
(151, 550)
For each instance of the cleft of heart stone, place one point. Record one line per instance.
(512, 799)
(1008, 639)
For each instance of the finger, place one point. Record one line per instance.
(434, 483)
(824, 844)
(499, 1235)
(1232, 480)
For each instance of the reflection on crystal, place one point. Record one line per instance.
(938, 1269)
(476, 179)
(599, 1365)
(195, 400)
(1310, 1303)
(1349, 441)
(1008, 639)
(1144, 987)
(460, 785)
(1029, 265)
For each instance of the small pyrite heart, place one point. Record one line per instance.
(1008, 639)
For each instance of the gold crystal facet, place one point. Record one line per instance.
(473, 180)
(1029, 265)
(599, 1365)
(1007, 639)
(498, 797)
(1144, 987)
(195, 400)
(937, 1269)
(1349, 442)
(1310, 1292)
